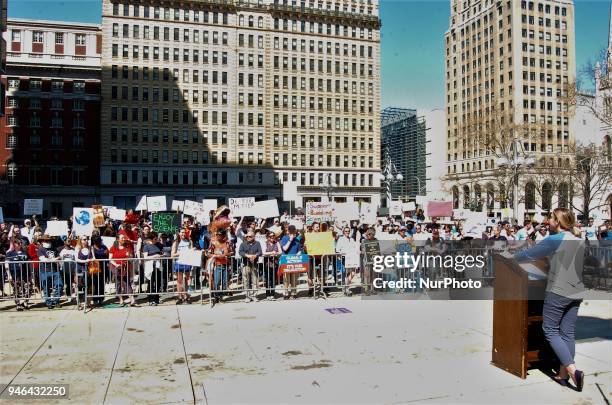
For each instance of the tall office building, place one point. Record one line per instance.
(3, 20)
(403, 137)
(51, 139)
(224, 98)
(508, 66)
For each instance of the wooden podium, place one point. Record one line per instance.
(518, 340)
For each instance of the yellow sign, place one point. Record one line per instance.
(320, 243)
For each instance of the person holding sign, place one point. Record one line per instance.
(50, 277)
(346, 247)
(220, 251)
(119, 257)
(152, 250)
(366, 272)
(291, 244)
(250, 251)
(182, 271)
(18, 273)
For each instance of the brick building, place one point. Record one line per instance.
(51, 137)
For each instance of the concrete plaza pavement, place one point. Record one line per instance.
(383, 351)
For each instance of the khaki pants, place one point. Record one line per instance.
(290, 281)
(250, 279)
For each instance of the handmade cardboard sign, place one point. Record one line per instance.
(98, 218)
(117, 214)
(209, 204)
(241, 207)
(319, 212)
(166, 222)
(156, 204)
(57, 228)
(320, 243)
(266, 209)
(177, 205)
(190, 257)
(348, 211)
(395, 208)
(32, 206)
(82, 224)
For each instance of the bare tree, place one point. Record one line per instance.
(496, 137)
(586, 74)
(590, 179)
(578, 94)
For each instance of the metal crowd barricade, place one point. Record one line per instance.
(258, 280)
(598, 266)
(155, 277)
(54, 282)
(335, 276)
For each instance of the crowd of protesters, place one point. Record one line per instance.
(83, 266)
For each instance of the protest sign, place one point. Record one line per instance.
(83, 221)
(320, 243)
(177, 205)
(439, 208)
(156, 204)
(32, 206)
(367, 213)
(351, 258)
(108, 241)
(142, 204)
(262, 239)
(507, 213)
(190, 257)
(192, 207)
(166, 222)
(241, 207)
(387, 236)
(459, 213)
(409, 206)
(209, 204)
(98, 216)
(475, 217)
(57, 228)
(319, 212)
(203, 218)
(371, 248)
(421, 200)
(395, 208)
(382, 220)
(348, 211)
(297, 223)
(289, 191)
(293, 264)
(117, 214)
(266, 209)
(492, 222)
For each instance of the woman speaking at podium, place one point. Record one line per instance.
(564, 290)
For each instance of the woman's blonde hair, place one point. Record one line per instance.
(566, 220)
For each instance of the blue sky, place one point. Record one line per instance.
(412, 61)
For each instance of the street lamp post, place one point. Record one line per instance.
(390, 175)
(418, 179)
(515, 163)
(328, 187)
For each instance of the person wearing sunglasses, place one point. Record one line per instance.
(272, 250)
(250, 252)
